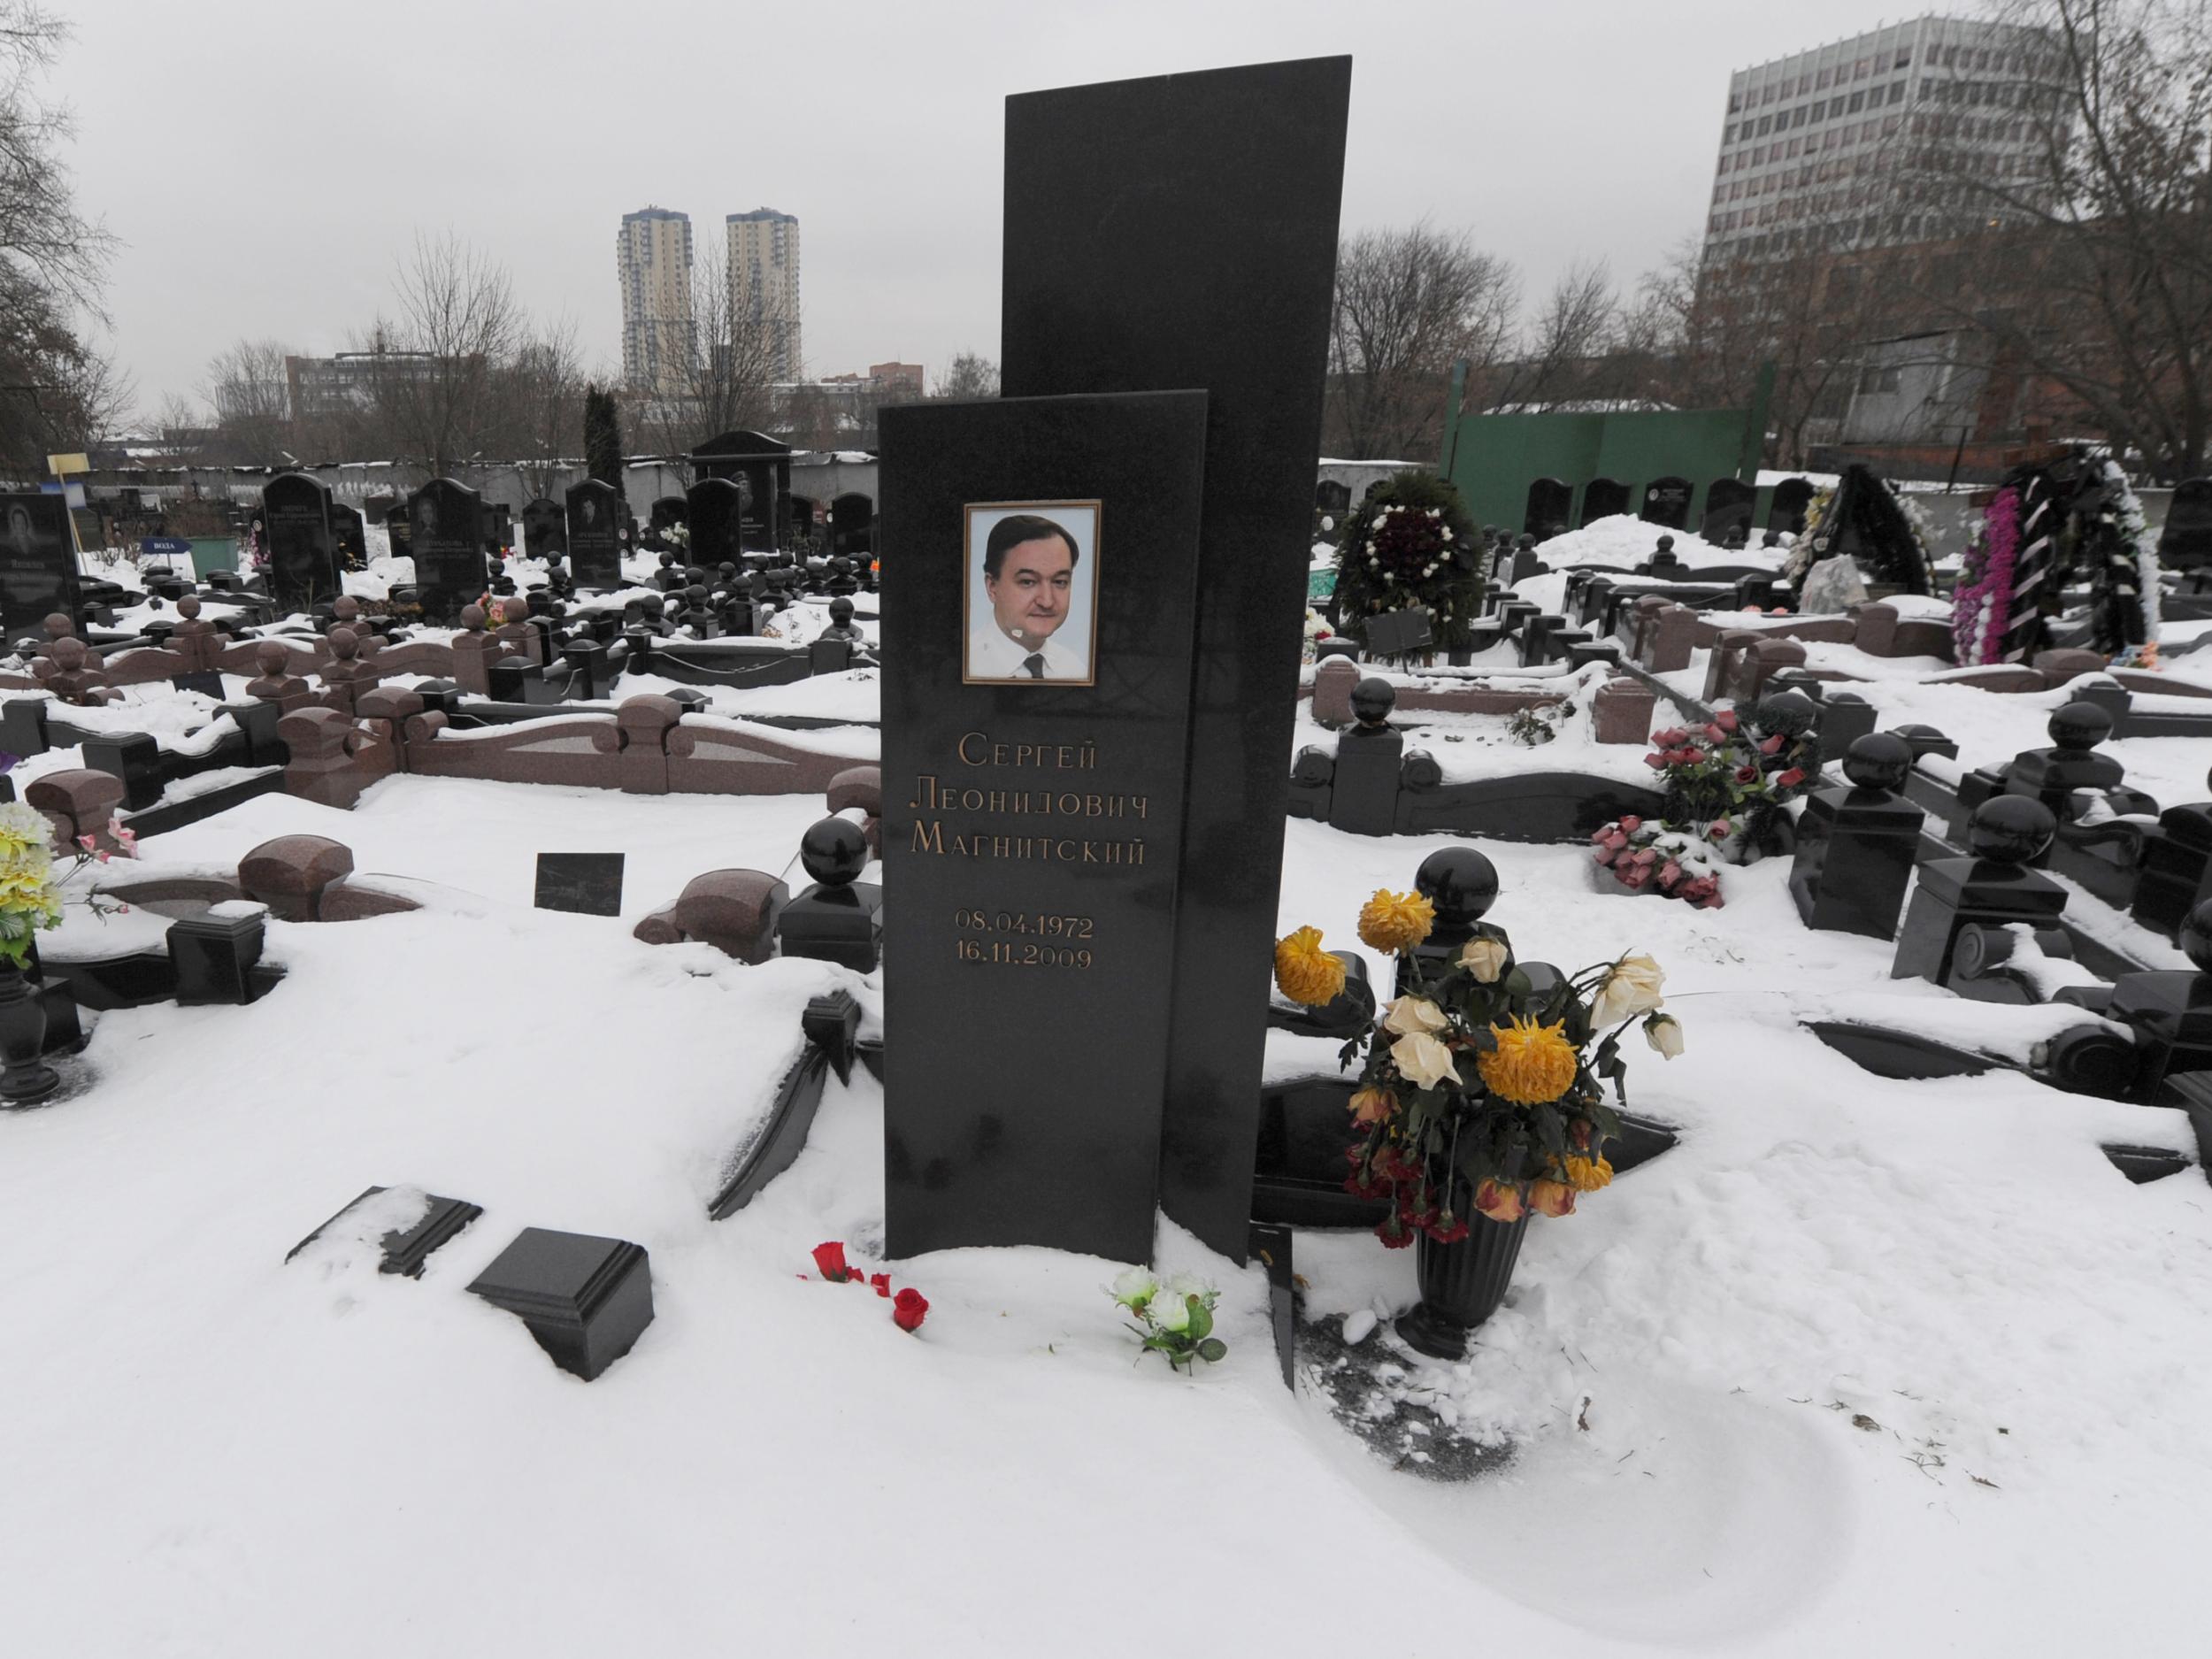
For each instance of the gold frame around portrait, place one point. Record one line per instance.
(972, 570)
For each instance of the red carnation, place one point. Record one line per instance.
(829, 1260)
(909, 1309)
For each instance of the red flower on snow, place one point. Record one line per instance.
(829, 1260)
(909, 1309)
(882, 1283)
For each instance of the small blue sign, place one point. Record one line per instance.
(169, 545)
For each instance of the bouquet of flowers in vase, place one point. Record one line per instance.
(1481, 1090)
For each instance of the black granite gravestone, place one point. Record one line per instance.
(589, 883)
(1603, 497)
(1787, 511)
(544, 528)
(303, 551)
(715, 508)
(2185, 542)
(1667, 502)
(594, 535)
(447, 541)
(1728, 507)
(1396, 633)
(1032, 831)
(1855, 847)
(1181, 232)
(853, 527)
(38, 561)
(761, 468)
(348, 532)
(1550, 508)
(398, 532)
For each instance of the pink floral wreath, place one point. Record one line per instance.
(1982, 609)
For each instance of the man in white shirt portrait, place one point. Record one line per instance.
(1029, 579)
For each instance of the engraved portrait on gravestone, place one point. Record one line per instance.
(1031, 593)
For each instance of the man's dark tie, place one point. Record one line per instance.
(1034, 664)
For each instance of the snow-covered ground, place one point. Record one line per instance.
(1859, 1365)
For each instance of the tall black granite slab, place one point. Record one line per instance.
(760, 467)
(1785, 510)
(445, 538)
(2185, 541)
(1182, 231)
(717, 508)
(1667, 502)
(1549, 507)
(594, 534)
(1729, 502)
(1031, 834)
(544, 528)
(1603, 497)
(38, 561)
(303, 547)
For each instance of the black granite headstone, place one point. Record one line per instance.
(761, 468)
(1396, 633)
(348, 532)
(1729, 502)
(38, 561)
(544, 528)
(1551, 504)
(1176, 232)
(1786, 511)
(716, 507)
(302, 551)
(589, 883)
(447, 541)
(1667, 502)
(594, 534)
(853, 527)
(1603, 497)
(2185, 542)
(1031, 833)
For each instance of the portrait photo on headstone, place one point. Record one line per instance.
(1031, 593)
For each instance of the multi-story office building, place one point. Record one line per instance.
(764, 253)
(1831, 148)
(653, 260)
(350, 381)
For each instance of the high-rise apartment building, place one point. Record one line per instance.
(653, 260)
(763, 252)
(1818, 150)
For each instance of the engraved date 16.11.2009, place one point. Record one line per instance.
(1024, 939)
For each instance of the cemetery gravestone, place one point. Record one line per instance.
(1667, 502)
(716, 507)
(594, 534)
(1550, 506)
(761, 468)
(349, 530)
(2185, 542)
(1213, 270)
(853, 527)
(589, 883)
(302, 551)
(1603, 498)
(544, 529)
(398, 531)
(38, 561)
(1728, 506)
(1791, 497)
(447, 539)
(1032, 827)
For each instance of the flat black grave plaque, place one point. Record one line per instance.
(302, 548)
(38, 561)
(207, 681)
(1182, 231)
(1396, 633)
(594, 535)
(446, 524)
(1032, 824)
(589, 883)
(405, 1250)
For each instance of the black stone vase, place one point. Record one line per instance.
(1462, 1282)
(25, 1079)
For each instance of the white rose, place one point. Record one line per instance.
(1631, 988)
(1424, 1060)
(1484, 958)
(1663, 1032)
(1170, 1313)
(1410, 1014)
(1133, 1285)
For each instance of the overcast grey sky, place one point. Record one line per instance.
(264, 163)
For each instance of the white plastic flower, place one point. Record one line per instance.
(1630, 989)
(1663, 1032)
(1409, 1014)
(1424, 1060)
(1134, 1286)
(1170, 1313)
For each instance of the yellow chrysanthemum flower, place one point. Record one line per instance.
(1308, 974)
(1395, 921)
(1531, 1063)
(1586, 1175)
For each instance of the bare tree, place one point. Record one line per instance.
(728, 384)
(1565, 353)
(249, 386)
(1408, 303)
(2090, 266)
(458, 322)
(56, 390)
(539, 404)
(971, 375)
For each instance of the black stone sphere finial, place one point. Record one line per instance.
(1460, 882)
(1665, 549)
(840, 612)
(2010, 829)
(834, 852)
(1372, 700)
(2195, 937)
(2080, 726)
(1792, 713)
(1880, 760)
